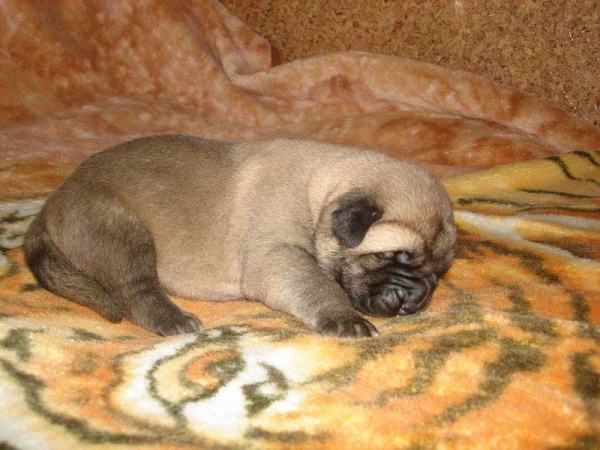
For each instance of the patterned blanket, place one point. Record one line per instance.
(508, 353)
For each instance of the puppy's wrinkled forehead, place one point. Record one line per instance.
(389, 237)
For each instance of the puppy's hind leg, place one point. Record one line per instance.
(55, 273)
(126, 254)
(104, 258)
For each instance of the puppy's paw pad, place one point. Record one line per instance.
(179, 322)
(352, 327)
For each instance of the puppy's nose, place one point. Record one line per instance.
(388, 302)
(418, 293)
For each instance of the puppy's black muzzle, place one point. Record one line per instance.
(400, 295)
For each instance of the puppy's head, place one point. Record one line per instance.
(388, 240)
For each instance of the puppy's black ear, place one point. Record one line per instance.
(352, 219)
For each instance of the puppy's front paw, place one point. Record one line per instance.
(177, 322)
(346, 327)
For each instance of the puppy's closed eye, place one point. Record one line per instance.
(379, 260)
(404, 257)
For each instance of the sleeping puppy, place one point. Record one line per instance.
(319, 231)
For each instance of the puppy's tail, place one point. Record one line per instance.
(54, 272)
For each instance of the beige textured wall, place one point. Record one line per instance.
(544, 47)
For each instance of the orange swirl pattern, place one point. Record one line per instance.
(508, 353)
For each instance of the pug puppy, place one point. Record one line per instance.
(319, 231)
